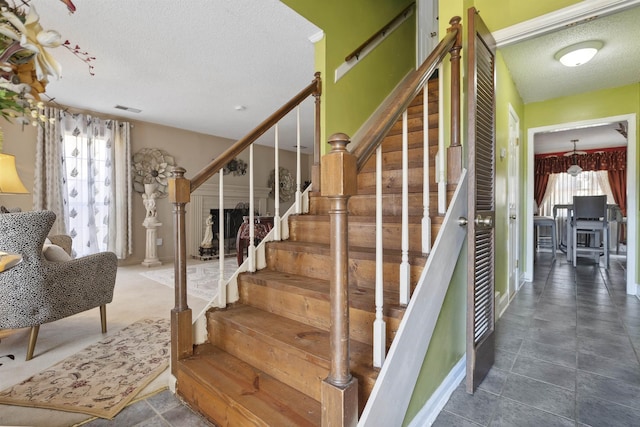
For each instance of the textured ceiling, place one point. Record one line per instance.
(189, 63)
(538, 76)
(589, 138)
(184, 63)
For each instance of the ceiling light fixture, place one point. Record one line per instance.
(574, 169)
(578, 54)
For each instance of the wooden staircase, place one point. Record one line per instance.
(268, 353)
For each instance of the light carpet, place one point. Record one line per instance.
(202, 278)
(104, 377)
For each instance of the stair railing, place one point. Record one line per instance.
(181, 188)
(370, 142)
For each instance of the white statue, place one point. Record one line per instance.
(150, 205)
(208, 233)
(149, 197)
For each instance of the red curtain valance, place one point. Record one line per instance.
(607, 160)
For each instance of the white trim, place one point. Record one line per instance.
(440, 397)
(316, 37)
(571, 15)
(348, 65)
(632, 203)
(503, 303)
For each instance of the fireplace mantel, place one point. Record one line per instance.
(207, 197)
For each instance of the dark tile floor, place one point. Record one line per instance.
(161, 410)
(566, 353)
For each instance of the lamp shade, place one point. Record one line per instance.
(574, 170)
(9, 180)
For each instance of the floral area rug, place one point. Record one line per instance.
(104, 377)
(202, 279)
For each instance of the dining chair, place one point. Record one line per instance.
(590, 218)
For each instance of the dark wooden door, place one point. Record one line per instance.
(481, 168)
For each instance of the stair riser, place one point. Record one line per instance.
(362, 272)
(392, 180)
(414, 140)
(393, 159)
(365, 204)
(213, 405)
(298, 369)
(361, 234)
(415, 122)
(312, 311)
(284, 363)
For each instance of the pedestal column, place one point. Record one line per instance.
(151, 255)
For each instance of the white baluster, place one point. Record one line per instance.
(298, 172)
(252, 247)
(426, 190)
(222, 288)
(379, 327)
(276, 215)
(442, 158)
(404, 265)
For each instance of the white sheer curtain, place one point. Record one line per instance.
(562, 187)
(92, 178)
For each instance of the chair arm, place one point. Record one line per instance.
(83, 283)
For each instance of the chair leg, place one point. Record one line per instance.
(33, 337)
(103, 318)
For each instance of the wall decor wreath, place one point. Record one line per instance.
(287, 184)
(152, 165)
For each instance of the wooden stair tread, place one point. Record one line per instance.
(359, 298)
(255, 394)
(309, 343)
(358, 252)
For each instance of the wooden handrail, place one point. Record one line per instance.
(373, 137)
(243, 143)
(382, 31)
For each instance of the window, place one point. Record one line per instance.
(88, 167)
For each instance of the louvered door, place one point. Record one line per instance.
(481, 169)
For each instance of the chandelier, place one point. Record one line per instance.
(574, 169)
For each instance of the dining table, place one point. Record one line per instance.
(565, 229)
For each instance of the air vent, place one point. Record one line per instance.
(129, 109)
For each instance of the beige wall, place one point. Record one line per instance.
(191, 150)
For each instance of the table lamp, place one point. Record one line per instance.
(9, 180)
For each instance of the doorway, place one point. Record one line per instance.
(513, 201)
(631, 191)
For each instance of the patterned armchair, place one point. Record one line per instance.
(39, 291)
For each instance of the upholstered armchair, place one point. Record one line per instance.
(39, 291)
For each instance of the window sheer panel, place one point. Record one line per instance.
(561, 189)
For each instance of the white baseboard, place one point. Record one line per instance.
(503, 303)
(440, 397)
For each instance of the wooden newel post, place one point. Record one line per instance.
(181, 334)
(339, 182)
(454, 152)
(315, 169)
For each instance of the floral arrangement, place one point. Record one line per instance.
(25, 62)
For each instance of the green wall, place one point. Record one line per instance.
(588, 106)
(350, 101)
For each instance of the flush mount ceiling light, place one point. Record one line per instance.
(578, 54)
